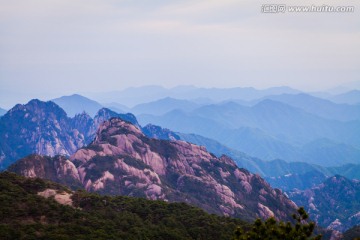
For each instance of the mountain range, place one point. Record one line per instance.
(138, 95)
(317, 106)
(44, 135)
(269, 130)
(91, 166)
(270, 140)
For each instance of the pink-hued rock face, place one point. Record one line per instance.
(176, 171)
(122, 160)
(61, 197)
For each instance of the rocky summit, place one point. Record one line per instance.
(44, 128)
(122, 160)
(37, 127)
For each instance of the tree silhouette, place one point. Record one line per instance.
(271, 229)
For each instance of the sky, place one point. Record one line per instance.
(50, 48)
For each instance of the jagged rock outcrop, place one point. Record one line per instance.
(44, 128)
(334, 204)
(122, 160)
(158, 132)
(104, 114)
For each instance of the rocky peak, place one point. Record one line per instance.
(157, 132)
(37, 127)
(85, 125)
(122, 160)
(44, 128)
(105, 114)
(37, 111)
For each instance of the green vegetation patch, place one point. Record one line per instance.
(25, 215)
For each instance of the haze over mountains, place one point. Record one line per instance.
(293, 140)
(290, 125)
(351, 97)
(75, 103)
(269, 130)
(318, 106)
(2, 111)
(133, 96)
(138, 95)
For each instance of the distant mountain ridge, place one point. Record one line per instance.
(163, 106)
(351, 97)
(318, 106)
(76, 104)
(268, 130)
(138, 95)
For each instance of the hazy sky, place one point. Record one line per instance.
(50, 48)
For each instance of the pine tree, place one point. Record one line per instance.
(271, 229)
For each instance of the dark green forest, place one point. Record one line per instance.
(25, 215)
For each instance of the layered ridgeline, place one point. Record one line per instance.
(122, 160)
(333, 204)
(38, 209)
(44, 128)
(271, 129)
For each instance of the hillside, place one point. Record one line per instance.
(123, 161)
(91, 216)
(333, 204)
